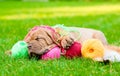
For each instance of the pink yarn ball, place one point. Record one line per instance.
(52, 54)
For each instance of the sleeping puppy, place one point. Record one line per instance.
(45, 38)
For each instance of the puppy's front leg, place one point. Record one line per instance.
(66, 42)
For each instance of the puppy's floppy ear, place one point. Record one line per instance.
(64, 41)
(53, 35)
(43, 34)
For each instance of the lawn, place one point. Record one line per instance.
(16, 18)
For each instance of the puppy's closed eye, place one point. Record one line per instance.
(37, 38)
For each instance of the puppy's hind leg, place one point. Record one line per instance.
(111, 53)
(99, 35)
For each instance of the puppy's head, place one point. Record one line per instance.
(40, 41)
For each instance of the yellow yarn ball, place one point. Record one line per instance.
(92, 48)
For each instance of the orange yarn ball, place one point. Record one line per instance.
(92, 48)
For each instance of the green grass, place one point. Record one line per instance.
(16, 18)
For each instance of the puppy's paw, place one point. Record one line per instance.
(66, 42)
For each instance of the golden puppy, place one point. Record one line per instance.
(44, 39)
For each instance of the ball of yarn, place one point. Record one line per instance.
(92, 48)
(54, 53)
(19, 50)
(74, 50)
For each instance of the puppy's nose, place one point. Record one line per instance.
(29, 46)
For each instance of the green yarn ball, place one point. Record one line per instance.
(19, 50)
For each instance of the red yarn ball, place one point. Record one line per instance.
(74, 51)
